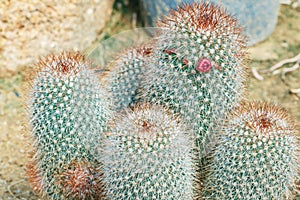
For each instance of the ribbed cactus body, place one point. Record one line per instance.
(125, 76)
(257, 156)
(198, 71)
(147, 156)
(68, 110)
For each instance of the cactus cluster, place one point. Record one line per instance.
(67, 105)
(161, 118)
(257, 156)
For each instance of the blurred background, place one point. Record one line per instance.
(30, 29)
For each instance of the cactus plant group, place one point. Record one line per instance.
(164, 122)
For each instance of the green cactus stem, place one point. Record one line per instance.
(257, 156)
(199, 71)
(147, 156)
(68, 109)
(125, 75)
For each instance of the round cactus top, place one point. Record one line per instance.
(63, 64)
(204, 18)
(263, 118)
(147, 128)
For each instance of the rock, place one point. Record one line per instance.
(258, 17)
(32, 28)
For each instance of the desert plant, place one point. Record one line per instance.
(172, 97)
(197, 68)
(147, 155)
(257, 156)
(68, 109)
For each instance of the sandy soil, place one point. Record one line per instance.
(283, 43)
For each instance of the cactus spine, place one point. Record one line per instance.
(147, 156)
(198, 70)
(33, 176)
(68, 108)
(257, 156)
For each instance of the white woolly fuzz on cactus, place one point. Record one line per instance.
(125, 75)
(68, 110)
(198, 71)
(147, 156)
(257, 156)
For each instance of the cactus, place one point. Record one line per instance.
(198, 71)
(257, 156)
(68, 109)
(191, 77)
(147, 156)
(125, 76)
